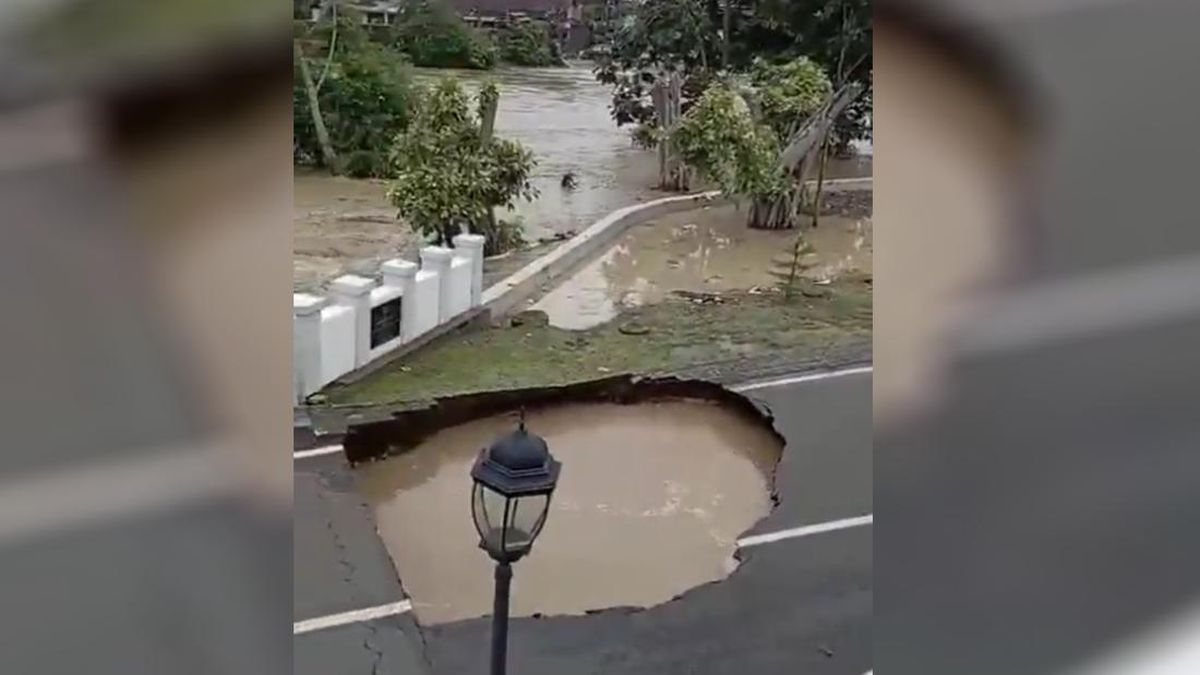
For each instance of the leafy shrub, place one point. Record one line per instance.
(529, 44)
(433, 35)
(720, 137)
(365, 101)
(448, 177)
(788, 93)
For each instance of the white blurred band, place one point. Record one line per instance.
(1172, 648)
(63, 499)
(49, 134)
(1142, 296)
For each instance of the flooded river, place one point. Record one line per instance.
(613, 537)
(560, 114)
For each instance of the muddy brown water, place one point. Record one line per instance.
(703, 250)
(616, 535)
(342, 225)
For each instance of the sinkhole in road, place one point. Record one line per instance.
(650, 503)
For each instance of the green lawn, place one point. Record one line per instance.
(681, 333)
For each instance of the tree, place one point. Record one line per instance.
(449, 174)
(650, 42)
(311, 98)
(700, 38)
(529, 44)
(433, 35)
(738, 134)
(362, 95)
(836, 34)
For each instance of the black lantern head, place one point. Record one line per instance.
(514, 479)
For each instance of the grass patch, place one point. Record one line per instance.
(681, 333)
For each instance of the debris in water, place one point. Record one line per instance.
(633, 328)
(700, 298)
(534, 318)
(556, 237)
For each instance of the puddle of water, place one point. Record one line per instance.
(614, 537)
(702, 250)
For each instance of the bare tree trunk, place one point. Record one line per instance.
(487, 119)
(775, 214)
(727, 21)
(660, 96)
(794, 270)
(679, 172)
(314, 109)
(667, 96)
(487, 126)
(796, 160)
(332, 49)
(806, 139)
(816, 214)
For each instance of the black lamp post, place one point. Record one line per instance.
(514, 479)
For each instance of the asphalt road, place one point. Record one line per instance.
(798, 605)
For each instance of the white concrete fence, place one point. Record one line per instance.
(364, 319)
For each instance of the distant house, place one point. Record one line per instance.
(566, 15)
(374, 12)
(493, 7)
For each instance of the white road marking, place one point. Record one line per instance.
(356, 616)
(805, 531)
(797, 379)
(317, 452)
(44, 503)
(392, 609)
(1086, 306)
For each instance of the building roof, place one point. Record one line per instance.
(501, 6)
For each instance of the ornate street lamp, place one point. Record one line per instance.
(514, 479)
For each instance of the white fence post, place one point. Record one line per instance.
(436, 259)
(355, 291)
(471, 245)
(306, 344)
(403, 274)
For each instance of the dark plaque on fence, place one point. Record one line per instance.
(385, 322)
